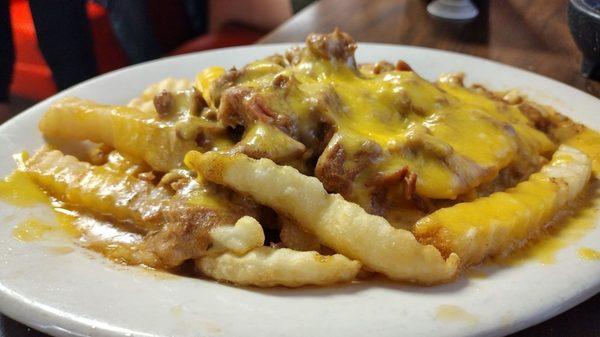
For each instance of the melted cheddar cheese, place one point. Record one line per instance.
(453, 138)
(455, 166)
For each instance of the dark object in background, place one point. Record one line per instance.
(453, 9)
(65, 39)
(132, 26)
(7, 51)
(475, 31)
(584, 22)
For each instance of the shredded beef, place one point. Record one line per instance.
(337, 169)
(337, 46)
(242, 106)
(163, 102)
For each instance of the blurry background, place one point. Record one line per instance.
(48, 45)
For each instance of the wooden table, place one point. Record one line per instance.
(532, 35)
(529, 34)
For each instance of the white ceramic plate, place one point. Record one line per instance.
(83, 294)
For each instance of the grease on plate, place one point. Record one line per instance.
(31, 230)
(454, 313)
(212, 328)
(60, 250)
(588, 254)
(476, 274)
(34, 229)
(176, 310)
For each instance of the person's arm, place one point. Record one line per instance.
(263, 14)
(65, 39)
(132, 26)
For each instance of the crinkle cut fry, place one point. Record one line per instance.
(339, 224)
(269, 267)
(496, 224)
(145, 102)
(93, 188)
(237, 256)
(129, 130)
(240, 238)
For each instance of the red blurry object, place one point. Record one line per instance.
(32, 76)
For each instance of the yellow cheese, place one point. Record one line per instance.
(387, 108)
(205, 78)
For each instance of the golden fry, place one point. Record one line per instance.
(496, 224)
(101, 191)
(268, 267)
(338, 224)
(131, 131)
(239, 239)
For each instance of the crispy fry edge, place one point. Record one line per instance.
(337, 223)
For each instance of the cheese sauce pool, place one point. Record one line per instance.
(18, 189)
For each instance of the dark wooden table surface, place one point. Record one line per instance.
(529, 34)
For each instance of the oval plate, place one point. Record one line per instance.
(81, 293)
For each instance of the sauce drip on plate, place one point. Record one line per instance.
(19, 189)
(35, 229)
(454, 313)
(589, 254)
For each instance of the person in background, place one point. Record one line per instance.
(64, 38)
(262, 14)
(67, 44)
(132, 25)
